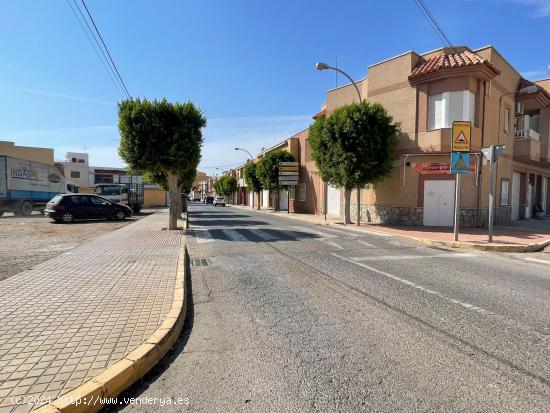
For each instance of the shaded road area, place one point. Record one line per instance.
(290, 316)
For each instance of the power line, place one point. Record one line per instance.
(109, 70)
(430, 18)
(106, 48)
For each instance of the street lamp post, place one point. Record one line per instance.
(324, 66)
(251, 159)
(244, 150)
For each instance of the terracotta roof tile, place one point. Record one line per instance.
(450, 61)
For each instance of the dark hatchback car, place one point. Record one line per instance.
(208, 200)
(69, 207)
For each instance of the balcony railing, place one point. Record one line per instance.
(527, 134)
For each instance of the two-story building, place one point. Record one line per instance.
(425, 93)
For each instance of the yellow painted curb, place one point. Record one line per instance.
(495, 247)
(125, 372)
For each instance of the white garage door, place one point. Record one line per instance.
(439, 198)
(333, 200)
(283, 200)
(250, 198)
(265, 198)
(529, 206)
(515, 195)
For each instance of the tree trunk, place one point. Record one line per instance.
(173, 196)
(259, 200)
(252, 206)
(276, 200)
(347, 206)
(358, 222)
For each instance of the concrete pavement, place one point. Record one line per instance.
(66, 320)
(290, 316)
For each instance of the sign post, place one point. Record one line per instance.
(289, 173)
(492, 153)
(460, 162)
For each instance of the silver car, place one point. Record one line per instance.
(218, 201)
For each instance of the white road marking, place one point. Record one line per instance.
(538, 260)
(360, 241)
(334, 244)
(412, 257)
(234, 235)
(412, 284)
(313, 232)
(203, 236)
(264, 235)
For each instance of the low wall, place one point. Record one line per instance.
(153, 198)
(383, 214)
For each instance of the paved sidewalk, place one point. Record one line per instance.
(67, 319)
(520, 233)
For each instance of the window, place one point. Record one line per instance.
(446, 107)
(73, 160)
(507, 121)
(504, 191)
(75, 174)
(95, 200)
(302, 192)
(79, 200)
(81, 161)
(104, 179)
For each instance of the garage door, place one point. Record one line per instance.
(283, 200)
(515, 195)
(265, 198)
(439, 198)
(333, 200)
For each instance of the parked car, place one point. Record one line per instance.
(69, 207)
(218, 201)
(208, 200)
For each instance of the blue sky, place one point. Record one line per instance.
(248, 64)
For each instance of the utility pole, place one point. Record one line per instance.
(492, 153)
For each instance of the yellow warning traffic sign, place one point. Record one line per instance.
(461, 137)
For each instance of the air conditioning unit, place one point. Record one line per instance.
(520, 108)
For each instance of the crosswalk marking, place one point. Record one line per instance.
(313, 232)
(265, 235)
(234, 235)
(203, 236)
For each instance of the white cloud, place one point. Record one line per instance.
(537, 8)
(534, 74)
(57, 95)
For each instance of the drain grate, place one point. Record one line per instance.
(199, 262)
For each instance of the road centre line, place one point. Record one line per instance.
(468, 306)
(412, 257)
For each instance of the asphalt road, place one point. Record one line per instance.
(290, 316)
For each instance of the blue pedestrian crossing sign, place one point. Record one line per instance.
(460, 163)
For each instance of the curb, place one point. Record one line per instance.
(125, 372)
(494, 247)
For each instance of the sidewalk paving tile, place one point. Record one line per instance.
(65, 320)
